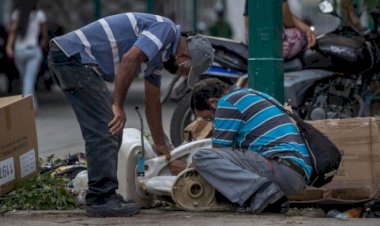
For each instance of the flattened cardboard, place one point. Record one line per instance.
(358, 177)
(18, 141)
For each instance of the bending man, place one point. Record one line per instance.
(117, 47)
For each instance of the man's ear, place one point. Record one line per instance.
(213, 102)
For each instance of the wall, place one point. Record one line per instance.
(235, 9)
(5, 8)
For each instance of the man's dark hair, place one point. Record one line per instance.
(205, 89)
(170, 65)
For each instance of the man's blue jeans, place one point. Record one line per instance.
(91, 101)
(240, 175)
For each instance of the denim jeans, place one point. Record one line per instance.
(28, 62)
(91, 100)
(240, 175)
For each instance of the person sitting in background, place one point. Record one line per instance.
(297, 35)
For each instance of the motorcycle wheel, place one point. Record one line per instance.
(182, 117)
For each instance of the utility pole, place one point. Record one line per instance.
(265, 63)
(149, 6)
(97, 9)
(195, 15)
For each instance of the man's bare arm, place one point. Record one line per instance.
(127, 70)
(153, 113)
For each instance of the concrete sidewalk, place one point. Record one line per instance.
(59, 134)
(170, 217)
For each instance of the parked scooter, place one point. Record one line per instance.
(338, 78)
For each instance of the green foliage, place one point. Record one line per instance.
(49, 160)
(40, 193)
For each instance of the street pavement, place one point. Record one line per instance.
(173, 218)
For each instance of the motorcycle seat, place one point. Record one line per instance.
(293, 65)
(238, 48)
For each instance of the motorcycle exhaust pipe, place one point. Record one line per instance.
(141, 155)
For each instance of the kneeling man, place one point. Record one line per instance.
(258, 156)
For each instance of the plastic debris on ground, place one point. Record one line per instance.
(74, 167)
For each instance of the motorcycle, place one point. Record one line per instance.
(338, 78)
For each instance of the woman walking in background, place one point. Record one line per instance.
(27, 36)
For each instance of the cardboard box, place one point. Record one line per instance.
(18, 141)
(358, 177)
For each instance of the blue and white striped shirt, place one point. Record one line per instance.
(104, 42)
(247, 121)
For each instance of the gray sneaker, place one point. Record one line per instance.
(265, 196)
(113, 208)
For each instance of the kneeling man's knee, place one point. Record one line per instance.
(203, 156)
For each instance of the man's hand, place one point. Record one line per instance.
(177, 166)
(163, 150)
(311, 38)
(118, 121)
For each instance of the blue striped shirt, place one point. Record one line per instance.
(104, 42)
(247, 121)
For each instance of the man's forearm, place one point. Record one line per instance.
(154, 114)
(122, 82)
(154, 119)
(287, 16)
(126, 73)
(300, 24)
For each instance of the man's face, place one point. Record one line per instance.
(207, 115)
(184, 67)
(182, 58)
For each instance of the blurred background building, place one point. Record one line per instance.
(193, 15)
